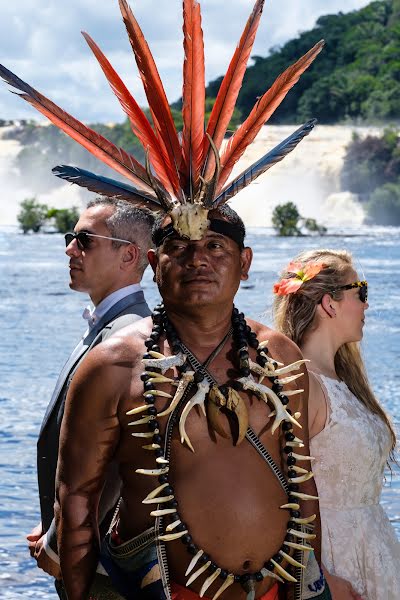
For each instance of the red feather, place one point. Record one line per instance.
(224, 106)
(139, 122)
(261, 112)
(158, 103)
(193, 93)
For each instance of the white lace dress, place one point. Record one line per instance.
(358, 541)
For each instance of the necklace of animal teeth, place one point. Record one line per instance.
(162, 497)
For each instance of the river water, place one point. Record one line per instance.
(40, 324)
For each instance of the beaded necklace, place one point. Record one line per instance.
(191, 373)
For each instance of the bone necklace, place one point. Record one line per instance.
(162, 497)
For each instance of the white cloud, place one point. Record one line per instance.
(41, 43)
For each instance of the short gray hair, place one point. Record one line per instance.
(128, 223)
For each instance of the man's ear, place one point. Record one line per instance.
(327, 306)
(246, 257)
(130, 257)
(153, 259)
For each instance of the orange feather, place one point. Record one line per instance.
(224, 105)
(261, 112)
(153, 87)
(139, 122)
(116, 158)
(193, 93)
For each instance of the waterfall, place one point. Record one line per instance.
(309, 177)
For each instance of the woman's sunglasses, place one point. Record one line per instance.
(83, 239)
(362, 289)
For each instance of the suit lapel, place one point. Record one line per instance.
(85, 344)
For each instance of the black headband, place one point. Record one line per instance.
(226, 228)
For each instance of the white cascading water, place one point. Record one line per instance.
(309, 177)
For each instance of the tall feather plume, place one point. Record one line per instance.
(96, 144)
(139, 122)
(224, 105)
(193, 94)
(263, 164)
(106, 186)
(153, 87)
(261, 112)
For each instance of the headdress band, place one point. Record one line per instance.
(230, 230)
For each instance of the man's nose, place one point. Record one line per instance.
(73, 249)
(196, 256)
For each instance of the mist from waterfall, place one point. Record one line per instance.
(309, 177)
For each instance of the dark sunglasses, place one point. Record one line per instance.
(83, 239)
(362, 289)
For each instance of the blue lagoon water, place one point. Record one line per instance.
(40, 323)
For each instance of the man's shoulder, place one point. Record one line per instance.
(279, 345)
(126, 341)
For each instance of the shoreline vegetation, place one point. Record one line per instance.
(355, 80)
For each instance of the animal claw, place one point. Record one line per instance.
(198, 399)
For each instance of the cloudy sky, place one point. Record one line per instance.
(40, 41)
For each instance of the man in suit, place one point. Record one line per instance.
(108, 255)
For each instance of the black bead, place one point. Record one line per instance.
(289, 538)
(292, 473)
(176, 348)
(284, 400)
(148, 343)
(261, 360)
(224, 574)
(159, 452)
(237, 578)
(213, 567)
(269, 565)
(157, 439)
(291, 461)
(198, 376)
(153, 425)
(147, 355)
(183, 368)
(244, 578)
(253, 342)
(204, 558)
(294, 487)
(291, 525)
(287, 426)
(244, 371)
(181, 526)
(163, 478)
(172, 504)
(149, 398)
(243, 353)
(186, 539)
(288, 449)
(289, 436)
(288, 410)
(192, 549)
(155, 348)
(148, 386)
(168, 491)
(224, 390)
(144, 376)
(285, 548)
(152, 410)
(295, 514)
(278, 558)
(258, 576)
(277, 388)
(293, 499)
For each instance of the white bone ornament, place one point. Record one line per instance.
(199, 399)
(159, 361)
(186, 378)
(265, 392)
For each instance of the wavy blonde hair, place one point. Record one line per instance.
(295, 315)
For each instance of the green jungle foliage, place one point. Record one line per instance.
(34, 215)
(356, 76)
(287, 221)
(372, 170)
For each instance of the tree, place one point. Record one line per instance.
(384, 204)
(65, 218)
(32, 215)
(285, 218)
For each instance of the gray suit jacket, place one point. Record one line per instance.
(126, 311)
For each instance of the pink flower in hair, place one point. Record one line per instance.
(290, 285)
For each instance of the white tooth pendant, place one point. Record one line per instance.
(227, 583)
(302, 534)
(170, 537)
(282, 572)
(193, 562)
(197, 573)
(209, 581)
(291, 560)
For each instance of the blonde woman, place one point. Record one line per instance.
(320, 304)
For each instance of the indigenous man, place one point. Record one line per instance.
(197, 473)
(107, 257)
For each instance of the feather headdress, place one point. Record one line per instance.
(184, 175)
